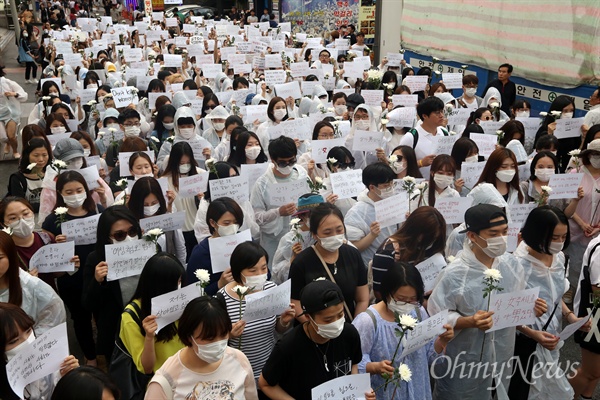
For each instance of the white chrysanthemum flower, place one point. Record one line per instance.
(8, 230)
(543, 114)
(61, 210)
(46, 98)
(318, 179)
(295, 221)
(59, 164)
(493, 274)
(546, 189)
(332, 160)
(92, 102)
(450, 259)
(31, 166)
(409, 179)
(404, 372)
(202, 275)
(210, 162)
(407, 321)
(121, 183)
(119, 202)
(384, 121)
(575, 152)
(393, 158)
(240, 290)
(155, 232)
(555, 113)
(154, 139)
(421, 186)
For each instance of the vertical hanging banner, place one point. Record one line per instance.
(366, 18)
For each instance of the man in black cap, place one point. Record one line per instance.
(322, 349)
(459, 288)
(353, 101)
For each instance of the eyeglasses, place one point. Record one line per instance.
(119, 236)
(410, 300)
(130, 125)
(283, 164)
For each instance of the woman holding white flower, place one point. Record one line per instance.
(493, 101)
(27, 181)
(402, 292)
(441, 180)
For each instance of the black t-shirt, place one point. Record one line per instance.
(297, 365)
(349, 272)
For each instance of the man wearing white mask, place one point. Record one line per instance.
(469, 99)
(217, 117)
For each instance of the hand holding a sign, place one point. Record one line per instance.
(427, 161)
(287, 209)
(101, 193)
(459, 184)
(101, 271)
(444, 338)
(150, 327)
(69, 364)
(286, 318)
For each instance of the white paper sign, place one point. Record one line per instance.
(568, 127)
(91, 176)
(254, 113)
(424, 332)
(572, 328)
(402, 117)
(513, 309)
(57, 137)
(81, 230)
(222, 247)
(453, 208)
(273, 61)
(347, 184)
(459, 116)
(254, 171)
(518, 212)
(54, 257)
(167, 222)
(391, 211)
(470, 173)
(275, 77)
(430, 269)
(366, 140)
(443, 144)
(168, 307)
(320, 149)
(565, 186)
(512, 236)
(395, 59)
(353, 70)
(289, 89)
(125, 96)
(452, 80)
(190, 186)
(42, 358)
(267, 303)
(372, 97)
(210, 71)
(300, 69)
(287, 192)
(236, 187)
(491, 127)
(415, 83)
(127, 258)
(406, 100)
(344, 387)
(486, 143)
(173, 60)
(294, 129)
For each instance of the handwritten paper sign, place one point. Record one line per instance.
(132, 55)
(347, 184)
(320, 149)
(173, 60)
(568, 127)
(395, 59)
(491, 127)
(430, 269)
(125, 96)
(486, 143)
(42, 358)
(402, 117)
(353, 70)
(91, 176)
(254, 171)
(372, 97)
(405, 100)
(54, 257)
(190, 186)
(267, 303)
(222, 247)
(443, 144)
(275, 77)
(273, 61)
(453, 208)
(424, 332)
(82, 230)
(287, 192)
(57, 137)
(211, 70)
(415, 83)
(289, 89)
(452, 80)
(167, 222)
(565, 186)
(572, 328)
(391, 211)
(366, 140)
(513, 309)
(512, 239)
(344, 387)
(237, 188)
(254, 113)
(294, 129)
(518, 212)
(470, 173)
(459, 116)
(127, 258)
(300, 69)
(169, 306)
(531, 126)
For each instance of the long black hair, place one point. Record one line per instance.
(105, 223)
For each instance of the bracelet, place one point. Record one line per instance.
(420, 163)
(284, 326)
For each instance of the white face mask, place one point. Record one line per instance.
(149, 174)
(472, 159)
(151, 210)
(400, 307)
(544, 174)
(470, 92)
(187, 133)
(279, 114)
(398, 167)
(252, 152)
(75, 200)
(285, 170)
(132, 131)
(385, 193)
(340, 110)
(212, 352)
(56, 130)
(185, 168)
(255, 281)
(92, 86)
(86, 152)
(15, 350)
(169, 125)
(23, 228)
(227, 230)
(496, 246)
(567, 115)
(219, 126)
(595, 161)
(442, 181)
(362, 124)
(75, 163)
(332, 330)
(332, 243)
(523, 114)
(506, 175)
(555, 247)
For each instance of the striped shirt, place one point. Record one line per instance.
(258, 338)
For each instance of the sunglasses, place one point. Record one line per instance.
(119, 236)
(283, 164)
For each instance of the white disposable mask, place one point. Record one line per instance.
(470, 92)
(92, 86)
(523, 114)
(187, 133)
(279, 114)
(23, 228)
(169, 125)
(567, 115)
(555, 247)
(442, 181)
(252, 152)
(385, 193)
(212, 352)
(151, 210)
(75, 164)
(56, 130)
(15, 350)
(472, 159)
(86, 152)
(506, 175)
(227, 230)
(595, 161)
(398, 167)
(362, 124)
(340, 110)
(544, 174)
(255, 281)
(132, 131)
(185, 168)
(285, 170)
(149, 174)
(332, 243)
(400, 307)
(496, 246)
(219, 126)
(75, 200)
(332, 330)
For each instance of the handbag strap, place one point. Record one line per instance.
(551, 316)
(135, 315)
(332, 279)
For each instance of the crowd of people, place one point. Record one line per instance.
(145, 106)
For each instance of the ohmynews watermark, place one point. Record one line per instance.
(449, 368)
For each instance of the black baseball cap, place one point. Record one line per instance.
(355, 100)
(477, 218)
(319, 295)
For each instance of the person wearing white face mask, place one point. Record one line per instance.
(279, 110)
(402, 294)
(249, 269)
(339, 104)
(215, 133)
(364, 231)
(469, 99)
(363, 120)
(501, 171)
(459, 287)
(325, 344)
(441, 180)
(339, 159)
(206, 365)
(545, 235)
